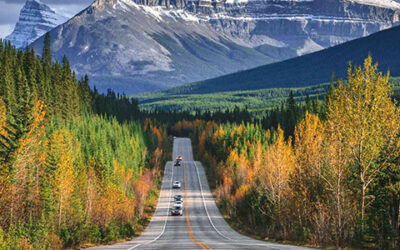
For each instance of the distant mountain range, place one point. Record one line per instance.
(142, 45)
(36, 18)
(307, 70)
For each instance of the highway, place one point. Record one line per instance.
(201, 226)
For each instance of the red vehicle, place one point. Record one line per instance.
(179, 158)
(177, 210)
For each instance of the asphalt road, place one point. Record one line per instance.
(201, 226)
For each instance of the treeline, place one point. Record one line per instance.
(256, 101)
(114, 104)
(335, 182)
(169, 118)
(71, 172)
(286, 115)
(290, 112)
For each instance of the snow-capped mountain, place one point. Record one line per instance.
(36, 18)
(142, 45)
(379, 3)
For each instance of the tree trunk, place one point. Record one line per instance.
(362, 204)
(60, 214)
(12, 205)
(339, 218)
(395, 220)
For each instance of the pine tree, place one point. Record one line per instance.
(46, 54)
(309, 106)
(291, 114)
(315, 106)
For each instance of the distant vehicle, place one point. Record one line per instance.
(178, 197)
(174, 137)
(176, 210)
(179, 158)
(177, 163)
(176, 184)
(178, 203)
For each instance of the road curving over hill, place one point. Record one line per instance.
(201, 226)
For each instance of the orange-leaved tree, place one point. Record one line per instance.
(364, 118)
(64, 150)
(274, 178)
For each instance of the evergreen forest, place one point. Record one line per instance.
(76, 168)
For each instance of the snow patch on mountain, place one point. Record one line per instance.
(159, 13)
(379, 3)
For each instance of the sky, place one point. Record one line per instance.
(9, 11)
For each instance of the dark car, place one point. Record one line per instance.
(177, 163)
(178, 197)
(177, 210)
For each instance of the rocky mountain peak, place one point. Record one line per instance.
(102, 3)
(36, 18)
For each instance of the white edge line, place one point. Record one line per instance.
(205, 206)
(166, 218)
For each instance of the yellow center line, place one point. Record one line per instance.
(187, 213)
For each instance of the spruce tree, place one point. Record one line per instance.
(315, 104)
(308, 103)
(46, 55)
(291, 114)
(1, 46)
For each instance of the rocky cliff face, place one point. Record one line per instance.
(142, 45)
(325, 22)
(35, 20)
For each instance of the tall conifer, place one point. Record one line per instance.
(46, 54)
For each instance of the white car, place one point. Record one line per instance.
(176, 184)
(178, 204)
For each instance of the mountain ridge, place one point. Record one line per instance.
(133, 47)
(307, 70)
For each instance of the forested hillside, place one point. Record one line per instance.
(327, 177)
(257, 102)
(75, 166)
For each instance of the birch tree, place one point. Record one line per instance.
(366, 120)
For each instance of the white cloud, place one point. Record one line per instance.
(63, 2)
(9, 12)
(5, 29)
